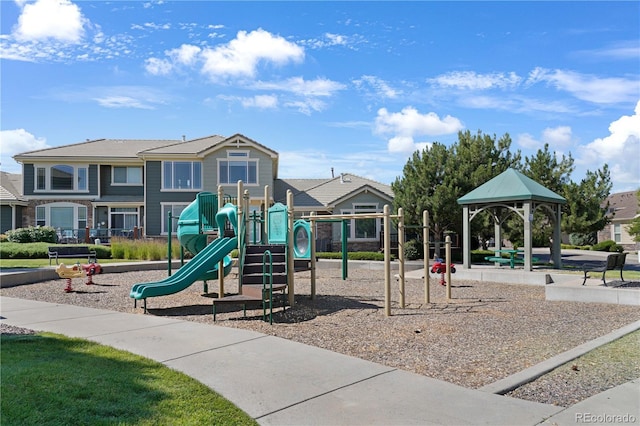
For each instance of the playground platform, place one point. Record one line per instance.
(308, 385)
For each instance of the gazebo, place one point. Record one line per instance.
(511, 192)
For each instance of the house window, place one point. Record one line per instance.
(62, 177)
(126, 175)
(123, 218)
(66, 218)
(185, 175)
(617, 233)
(41, 216)
(363, 229)
(175, 210)
(41, 178)
(238, 166)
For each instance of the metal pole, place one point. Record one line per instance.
(220, 235)
(169, 221)
(290, 263)
(265, 215)
(447, 244)
(425, 237)
(387, 262)
(345, 251)
(312, 236)
(401, 254)
(241, 229)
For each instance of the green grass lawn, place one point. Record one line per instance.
(48, 379)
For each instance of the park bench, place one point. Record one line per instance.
(614, 261)
(73, 252)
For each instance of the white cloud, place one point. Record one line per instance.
(306, 106)
(50, 19)
(122, 102)
(620, 150)
(260, 101)
(404, 126)
(470, 80)
(380, 88)
(185, 55)
(619, 51)
(588, 87)
(138, 97)
(157, 66)
(527, 141)
(15, 142)
(241, 56)
(320, 87)
(558, 137)
(330, 39)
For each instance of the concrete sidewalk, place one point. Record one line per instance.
(278, 382)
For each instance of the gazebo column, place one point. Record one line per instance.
(497, 232)
(528, 217)
(557, 256)
(466, 238)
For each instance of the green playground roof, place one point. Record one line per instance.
(510, 185)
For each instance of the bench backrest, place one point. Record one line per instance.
(616, 260)
(69, 250)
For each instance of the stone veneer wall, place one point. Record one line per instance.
(29, 212)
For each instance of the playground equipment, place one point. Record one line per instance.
(440, 267)
(386, 217)
(206, 263)
(77, 271)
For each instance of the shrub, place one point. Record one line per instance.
(10, 250)
(33, 234)
(356, 255)
(608, 245)
(413, 250)
(582, 239)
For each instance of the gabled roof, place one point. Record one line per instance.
(624, 205)
(11, 188)
(326, 193)
(192, 147)
(510, 185)
(104, 149)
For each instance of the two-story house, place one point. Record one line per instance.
(114, 187)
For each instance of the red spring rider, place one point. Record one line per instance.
(90, 270)
(440, 267)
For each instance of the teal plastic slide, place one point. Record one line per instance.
(198, 215)
(205, 264)
(205, 261)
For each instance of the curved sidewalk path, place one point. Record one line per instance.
(280, 382)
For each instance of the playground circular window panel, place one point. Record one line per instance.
(301, 239)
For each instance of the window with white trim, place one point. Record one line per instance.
(62, 216)
(238, 166)
(363, 229)
(182, 175)
(124, 218)
(62, 177)
(175, 209)
(126, 175)
(617, 233)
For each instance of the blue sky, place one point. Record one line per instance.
(354, 86)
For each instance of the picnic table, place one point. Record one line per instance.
(511, 260)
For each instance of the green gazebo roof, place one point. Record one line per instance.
(510, 185)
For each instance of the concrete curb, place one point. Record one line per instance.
(530, 374)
